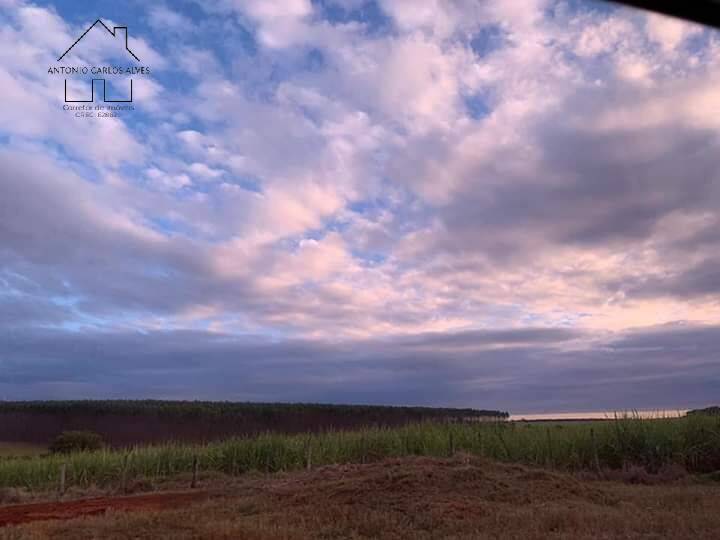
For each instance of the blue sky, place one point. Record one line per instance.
(507, 204)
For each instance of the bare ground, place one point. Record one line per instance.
(418, 498)
(26, 513)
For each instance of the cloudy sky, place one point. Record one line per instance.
(503, 204)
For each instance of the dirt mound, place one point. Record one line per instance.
(463, 478)
(420, 498)
(460, 485)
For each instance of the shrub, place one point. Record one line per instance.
(712, 411)
(76, 441)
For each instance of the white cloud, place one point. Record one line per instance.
(166, 181)
(362, 197)
(436, 17)
(191, 137)
(634, 68)
(669, 32)
(604, 37)
(163, 18)
(281, 24)
(203, 171)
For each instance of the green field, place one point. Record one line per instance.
(692, 442)
(18, 449)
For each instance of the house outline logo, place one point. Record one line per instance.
(104, 82)
(111, 32)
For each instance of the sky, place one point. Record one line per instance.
(505, 204)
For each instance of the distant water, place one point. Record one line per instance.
(658, 413)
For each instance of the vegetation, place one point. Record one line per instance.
(224, 408)
(692, 442)
(714, 411)
(123, 423)
(16, 449)
(76, 441)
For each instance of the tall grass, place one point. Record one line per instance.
(692, 442)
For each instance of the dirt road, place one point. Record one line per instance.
(25, 513)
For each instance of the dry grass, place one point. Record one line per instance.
(419, 498)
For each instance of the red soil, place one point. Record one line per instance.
(25, 513)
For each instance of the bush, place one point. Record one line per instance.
(712, 411)
(76, 441)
